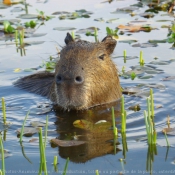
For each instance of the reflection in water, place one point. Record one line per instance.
(92, 126)
(152, 150)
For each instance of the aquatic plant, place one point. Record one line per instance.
(65, 167)
(22, 129)
(43, 165)
(133, 75)
(73, 34)
(115, 131)
(149, 120)
(96, 172)
(42, 16)
(2, 156)
(142, 62)
(3, 110)
(96, 34)
(31, 24)
(8, 28)
(123, 115)
(166, 139)
(124, 55)
(112, 32)
(46, 128)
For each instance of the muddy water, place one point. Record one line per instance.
(98, 150)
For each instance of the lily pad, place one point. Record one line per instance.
(137, 72)
(142, 94)
(28, 16)
(17, 9)
(90, 29)
(28, 131)
(99, 20)
(112, 20)
(63, 28)
(129, 9)
(158, 41)
(37, 124)
(136, 28)
(30, 43)
(2, 6)
(160, 62)
(145, 45)
(67, 143)
(146, 77)
(35, 35)
(41, 109)
(168, 78)
(127, 41)
(131, 90)
(61, 13)
(147, 15)
(153, 85)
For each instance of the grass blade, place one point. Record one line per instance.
(2, 155)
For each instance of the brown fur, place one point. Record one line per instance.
(88, 63)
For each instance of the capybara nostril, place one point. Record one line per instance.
(59, 79)
(79, 79)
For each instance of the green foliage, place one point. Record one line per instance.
(112, 32)
(133, 75)
(42, 16)
(31, 24)
(8, 28)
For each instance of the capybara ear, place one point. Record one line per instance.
(110, 44)
(68, 39)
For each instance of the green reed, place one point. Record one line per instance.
(22, 129)
(46, 128)
(55, 160)
(65, 167)
(149, 120)
(166, 140)
(2, 156)
(124, 55)
(73, 34)
(123, 115)
(142, 61)
(43, 165)
(3, 110)
(113, 122)
(96, 34)
(96, 172)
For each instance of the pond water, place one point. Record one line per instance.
(98, 151)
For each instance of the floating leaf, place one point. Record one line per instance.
(67, 143)
(112, 20)
(153, 85)
(99, 20)
(61, 13)
(35, 35)
(17, 9)
(159, 106)
(28, 131)
(142, 94)
(145, 45)
(147, 15)
(41, 109)
(137, 72)
(28, 16)
(136, 28)
(33, 140)
(2, 6)
(17, 70)
(64, 28)
(125, 10)
(29, 43)
(83, 124)
(160, 62)
(131, 90)
(168, 78)
(135, 108)
(158, 41)
(128, 41)
(37, 124)
(84, 31)
(146, 77)
(169, 131)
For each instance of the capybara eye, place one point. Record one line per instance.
(102, 56)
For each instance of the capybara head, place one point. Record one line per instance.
(85, 75)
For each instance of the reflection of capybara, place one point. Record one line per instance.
(84, 77)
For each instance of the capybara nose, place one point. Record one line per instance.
(78, 79)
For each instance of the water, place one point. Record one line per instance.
(98, 151)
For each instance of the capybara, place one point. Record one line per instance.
(84, 77)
